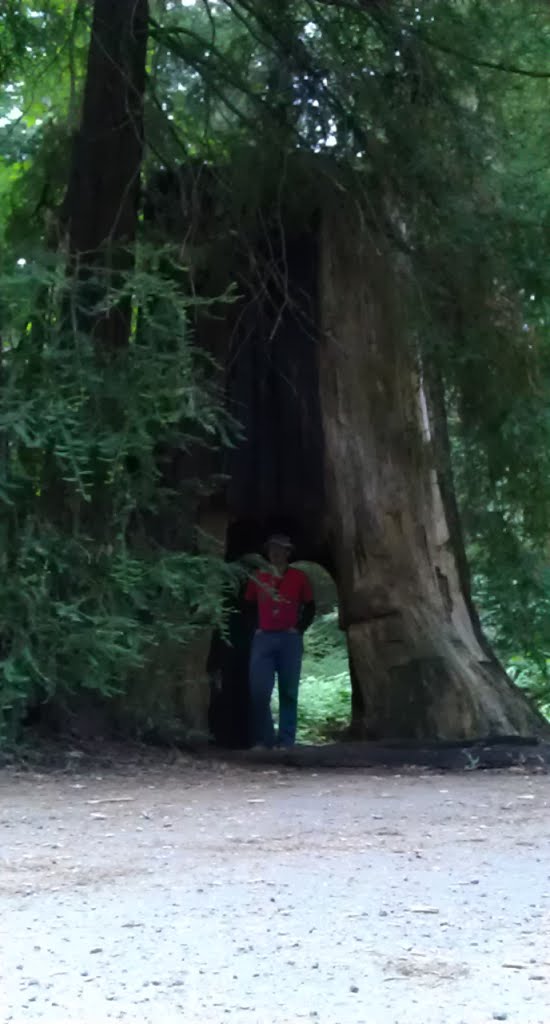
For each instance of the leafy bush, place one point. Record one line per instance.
(325, 691)
(92, 582)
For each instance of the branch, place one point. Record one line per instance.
(358, 6)
(171, 40)
(366, 6)
(509, 69)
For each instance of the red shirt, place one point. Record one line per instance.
(279, 598)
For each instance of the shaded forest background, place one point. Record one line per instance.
(436, 116)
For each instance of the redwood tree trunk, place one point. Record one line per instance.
(101, 205)
(419, 660)
(343, 446)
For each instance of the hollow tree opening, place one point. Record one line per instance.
(323, 375)
(325, 697)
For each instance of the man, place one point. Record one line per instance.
(285, 609)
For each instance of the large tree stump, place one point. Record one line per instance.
(339, 448)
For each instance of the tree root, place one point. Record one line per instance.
(487, 753)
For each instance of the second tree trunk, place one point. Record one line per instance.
(414, 648)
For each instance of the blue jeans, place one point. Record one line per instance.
(275, 654)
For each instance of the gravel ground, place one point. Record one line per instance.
(184, 893)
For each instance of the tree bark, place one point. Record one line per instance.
(344, 446)
(418, 657)
(101, 205)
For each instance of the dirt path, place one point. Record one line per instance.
(272, 898)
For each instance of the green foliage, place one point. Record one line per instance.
(534, 677)
(92, 580)
(42, 62)
(325, 690)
